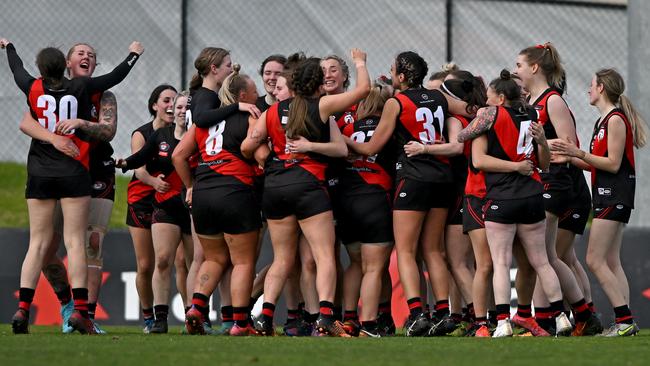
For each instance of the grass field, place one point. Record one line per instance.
(14, 207)
(128, 346)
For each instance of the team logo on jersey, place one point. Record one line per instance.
(99, 186)
(546, 195)
(620, 207)
(348, 118)
(604, 191)
(163, 146)
(601, 134)
(494, 207)
(425, 96)
(576, 216)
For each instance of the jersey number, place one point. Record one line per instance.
(214, 142)
(525, 141)
(427, 118)
(67, 109)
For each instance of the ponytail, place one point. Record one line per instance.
(196, 82)
(306, 80)
(298, 118)
(639, 129)
(226, 95)
(373, 104)
(548, 59)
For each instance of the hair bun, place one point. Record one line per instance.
(505, 75)
(236, 68)
(449, 67)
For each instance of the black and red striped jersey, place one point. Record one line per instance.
(613, 188)
(375, 170)
(422, 119)
(284, 168)
(510, 139)
(137, 189)
(261, 103)
(158, 150)
(221, 161)
(558, 176)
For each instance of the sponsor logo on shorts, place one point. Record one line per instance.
(546, 195)
(620, 207)
(398, 166)
(604, 191)
(403, 194)
(494, 207)
(99, 186)
(598, 209)
(461, 210)
(576, 216)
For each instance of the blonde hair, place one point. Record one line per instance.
(548, 59)
(232, 86)
(373, 104)
(614, 86)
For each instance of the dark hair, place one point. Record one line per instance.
(412, 66)
(232, 86)
(548, 59)
(445, 70)
(468, 88)
(209, 56)
(345, 69)
(305, 82)
(155, 94)
(292, 63)
(505, 84)
(275, 58)
(51, 64)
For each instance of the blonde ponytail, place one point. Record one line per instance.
(639, 129)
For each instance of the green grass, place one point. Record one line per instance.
(14, 207)
(128, 346)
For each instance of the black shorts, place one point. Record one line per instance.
(57, 187)
(104, 187)
(172, 211)
(301, 199)
(413, 195)
(620, 213)
(139, 213)
(365, 218)
(557, 201)
(231, 209)
(455, 213)
(575, 219)
(258, 189)
(529, 210)
(473, 213)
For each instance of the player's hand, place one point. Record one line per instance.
(358, 56)
(188, 197)
(68, 126)
(136, 47)
(537, 130)
(3, 43)
(160, 185)
(65, 145)
(299, 146)
(525, 167)
(250, 108)
(120, 164)
(413, 148)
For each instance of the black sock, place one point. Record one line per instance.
(370, 325)
(268, 311)
(524, 311)
(415, 306)
(581, 311)
(337, 312)
(623, 315)
(240, 315)
(147, 313)
(292, 314)
(311, 318)
(64, 295)
(25, 298)
(227, 313)
(492, 316)
(557, 307)
(482, 320)
(92, 306)
(327, 310)
(441, 308)
(80, 297)
(161, 311)
(503, 311)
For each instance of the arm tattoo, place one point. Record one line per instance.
(480, 125)
(106, 127)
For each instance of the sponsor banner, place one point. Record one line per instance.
(119, 303)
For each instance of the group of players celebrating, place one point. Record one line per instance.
(456, 177)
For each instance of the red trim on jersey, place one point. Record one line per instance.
(137, 190)
(507, 133)
(366, 167)
(407, 118)
(279, 141)
(175, 187)
(347, 118)
(475, 185)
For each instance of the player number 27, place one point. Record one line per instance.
(67, 109)
(427, 118)
(214, 142)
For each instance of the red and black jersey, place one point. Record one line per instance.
(49, 107)
(221, 161)
(613, 188)
(261, 103)
(345, 118)
(558, 176)
(137, 189)
(375, 170)
(335, 166)
(284, 168)
(459, 163)
(158, 150)
(475, 184)
(510, 139)
(422, 119)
